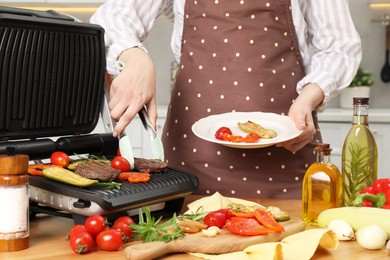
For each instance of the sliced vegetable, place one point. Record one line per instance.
(242, 214)
(246, 227)
(68, 177)
(252, 127)
(37, 169)
(267, 220)
(109, 185)
(136, 177)
(278, 214)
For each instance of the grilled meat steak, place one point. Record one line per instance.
(97, 170)
(149, 165)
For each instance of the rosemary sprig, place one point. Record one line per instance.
(199, 214)
(151, 230)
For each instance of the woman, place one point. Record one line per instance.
(235, 55)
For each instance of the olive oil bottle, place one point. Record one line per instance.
(321, 187)
(359, 155)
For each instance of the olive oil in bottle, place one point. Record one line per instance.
(359, 155)
(321, 187)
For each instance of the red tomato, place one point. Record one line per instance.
(75, 229)
(60, 159)
(123, 224)
(120, 163)
(81, 242)
(228, 213)
(246, 227)
(109, 240)
(222, 130)
(95, 224)
(124, 228)
(215, 218)
(126, 219)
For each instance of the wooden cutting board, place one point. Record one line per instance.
(225, 242)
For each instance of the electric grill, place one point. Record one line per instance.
(51, 99)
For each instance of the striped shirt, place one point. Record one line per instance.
(329, 43)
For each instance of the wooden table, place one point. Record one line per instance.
(47, 240)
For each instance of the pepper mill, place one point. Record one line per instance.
(14, 203)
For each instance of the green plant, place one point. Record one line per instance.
(362, 78)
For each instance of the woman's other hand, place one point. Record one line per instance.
(134, 87)
(301, 114)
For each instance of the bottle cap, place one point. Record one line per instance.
(14, 164)
(360, 100)
(323, 147)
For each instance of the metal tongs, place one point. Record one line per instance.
(157, 147)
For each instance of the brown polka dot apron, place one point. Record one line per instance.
(237, 55)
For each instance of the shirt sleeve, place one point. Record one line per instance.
(126, 24)
(336, 46)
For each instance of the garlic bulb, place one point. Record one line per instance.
(342, 229)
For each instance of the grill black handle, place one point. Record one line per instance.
(37, 149)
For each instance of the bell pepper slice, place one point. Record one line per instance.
(267, 220)
(37, 169)
(246, 227)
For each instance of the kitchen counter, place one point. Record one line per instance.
(47, 240)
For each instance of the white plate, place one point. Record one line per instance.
(205, 128)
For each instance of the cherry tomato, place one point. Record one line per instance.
(228, 212)
(95, 224)
(109, 240)
(126, 219)
(215, 218)
(123, 224)
(81, 242)
(246, 227)
(120, 163)
(222, 130)
(60, 159)
(124, 228)
(75, 229)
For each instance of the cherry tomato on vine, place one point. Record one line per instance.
(95, 224)
(215, 218)
(109, 240)
(120, 163)
(81, 242)
(221, 131)
(60, 159)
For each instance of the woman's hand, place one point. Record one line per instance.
(133, 88)
(301, 114)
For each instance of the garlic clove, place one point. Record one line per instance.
(211, 231)
(342, 229)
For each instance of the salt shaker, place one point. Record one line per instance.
(14, 203)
